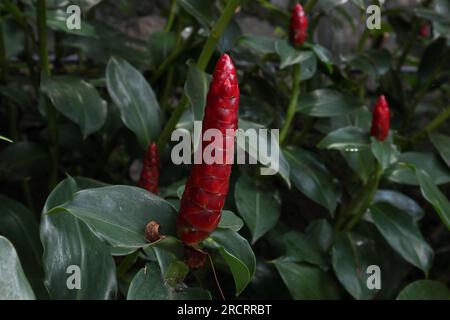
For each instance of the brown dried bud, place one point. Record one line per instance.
(152, 231)
(195, 258)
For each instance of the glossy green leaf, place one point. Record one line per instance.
(442, 144)
(69, 242)
(374, 63)
(351, 255)
(323, 54)
(425, 290)
(349, 139)
(403, 171)
(78, 100)
(201, 11)
(326, 103)
(229, 220)
(306, 282)
(403, 235)
(300, 248)
(13, 283)
(273, 160)
(196, 89)
(119, 214)
(361, 161)
(259, 207)
(148, 284)
(23, 159)
(385, 152)
(20, 226)
(290, 56)
(434, 196)
(312, 178)
(400, 201)
(57, 21)
(432, 59)
(238, 254)
(135, 98)
(321, 233)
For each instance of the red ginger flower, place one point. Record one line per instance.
(150, 170)
(380, 119)
(425, 30)
(299, 26)
(207, 187)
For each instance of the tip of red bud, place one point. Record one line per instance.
(382, 102)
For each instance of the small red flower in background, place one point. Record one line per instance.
(380, 119)
(299, 26)
(425, 30)
(150, 170)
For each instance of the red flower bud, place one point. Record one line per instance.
(299, 26)
(380, 119)
(207, 187)
(425, 30)
(150, 170)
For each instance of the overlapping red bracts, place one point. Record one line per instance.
(380, 119)
(425, 30)
(150, 170)
(207, 187)
(299, 26)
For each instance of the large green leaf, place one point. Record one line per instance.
(196, 89)
(312, 178)
(401, 201)
(119, 214)
(258, 206)
(23, 159)
(19, 225)
(149, 284)
(349, 139)
(135, 98)
(385, 152)
(301, 248)
(326, 103)
(78, 100)
(403, 171)
(403, 235)
(442, 144)
(238, 254)
(229, 220)
(432, 59)
(306, 282)
(68, 241)
(374, 63)
(425, 290)
(351, 255)
(13, 283)
(434, 196)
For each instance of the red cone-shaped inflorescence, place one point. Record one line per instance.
(150, 170)
(207, 187)
(380, 119)
(299, 26)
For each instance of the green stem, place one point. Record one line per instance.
(292, 103)
(363, 199)
(172, 13)
(167, 88)
(51, 112)
(202, 62)
(430, 127)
